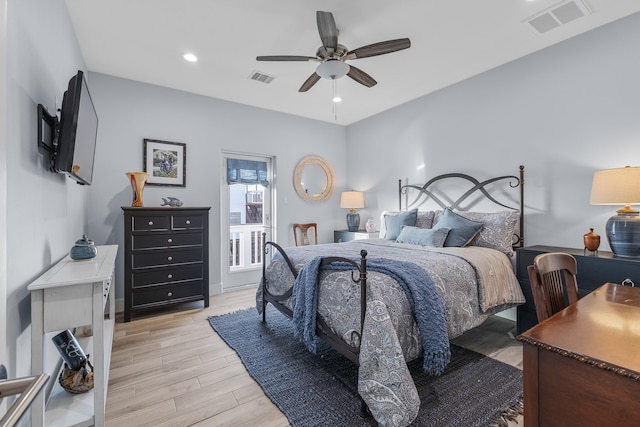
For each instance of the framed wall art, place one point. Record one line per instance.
(165, 162)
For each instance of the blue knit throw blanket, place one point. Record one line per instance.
(423, 296)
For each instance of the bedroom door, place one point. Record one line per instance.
(246, 197)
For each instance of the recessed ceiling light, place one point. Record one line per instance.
(190, 57)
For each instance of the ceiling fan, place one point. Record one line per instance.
(332, 56)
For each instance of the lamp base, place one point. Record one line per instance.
(353, 221)
(623, 233)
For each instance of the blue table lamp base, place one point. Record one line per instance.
(353, 221)
(623, 232)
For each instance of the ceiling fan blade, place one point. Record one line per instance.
(328, 31)
(361, 77)
(379, 48)
(308, 84)
(286, 58)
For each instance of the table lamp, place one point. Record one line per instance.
(352, 200)
(620, 186)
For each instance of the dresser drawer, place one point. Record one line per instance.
(168, 257)
(186, 222)
(158, 241)
(168, 294)
(151, 223)
(166, 275)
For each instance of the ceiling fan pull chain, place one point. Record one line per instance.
(336, 99)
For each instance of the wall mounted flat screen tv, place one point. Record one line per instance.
(76, 145)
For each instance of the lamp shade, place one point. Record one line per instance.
(620, 186)
(352, 200)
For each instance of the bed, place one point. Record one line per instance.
(433, 275)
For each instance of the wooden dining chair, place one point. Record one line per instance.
(305, 234)
(553, 283)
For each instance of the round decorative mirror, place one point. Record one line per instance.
(313, 179)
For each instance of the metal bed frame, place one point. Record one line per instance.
(359, 272)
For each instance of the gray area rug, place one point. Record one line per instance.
(321, 390)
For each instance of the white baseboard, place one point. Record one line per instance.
(215, 289)
(509, 313)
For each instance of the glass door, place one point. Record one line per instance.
(246, 194)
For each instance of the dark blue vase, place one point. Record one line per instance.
(83, 249)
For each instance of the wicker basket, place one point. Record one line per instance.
(77, 381)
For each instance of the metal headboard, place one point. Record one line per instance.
(424, 194)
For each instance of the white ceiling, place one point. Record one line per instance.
(451, 40)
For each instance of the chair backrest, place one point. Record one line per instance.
(553, 283)
(305, 234)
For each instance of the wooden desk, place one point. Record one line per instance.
(582, 365)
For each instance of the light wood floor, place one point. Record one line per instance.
(170, 368)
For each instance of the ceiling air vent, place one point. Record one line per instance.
(557, 15)
(261, 77)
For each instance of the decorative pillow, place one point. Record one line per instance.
(498, 230)
(437, 216)
(431, 237)
(463, 230)
(424, 220)
(394, 221)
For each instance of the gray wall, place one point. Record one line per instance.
(130, 111)
(46, 212)
(563, 112)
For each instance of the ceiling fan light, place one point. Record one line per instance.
(332, 69)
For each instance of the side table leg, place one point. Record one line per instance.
(99, 386)
(38, 354)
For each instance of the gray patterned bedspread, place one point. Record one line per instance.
(474, 283)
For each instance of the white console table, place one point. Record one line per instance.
(73, 293)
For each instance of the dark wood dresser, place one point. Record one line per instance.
(593, 271)
(166, 252)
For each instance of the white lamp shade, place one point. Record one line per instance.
(620, 186)
(352, 200)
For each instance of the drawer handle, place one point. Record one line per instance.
(169, 258)
(628, 282)
(188, 222)
(169, 240)
(169, 294)
(169, 276)
(150, 222)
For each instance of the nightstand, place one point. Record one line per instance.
(340, 236)
(593, 271)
